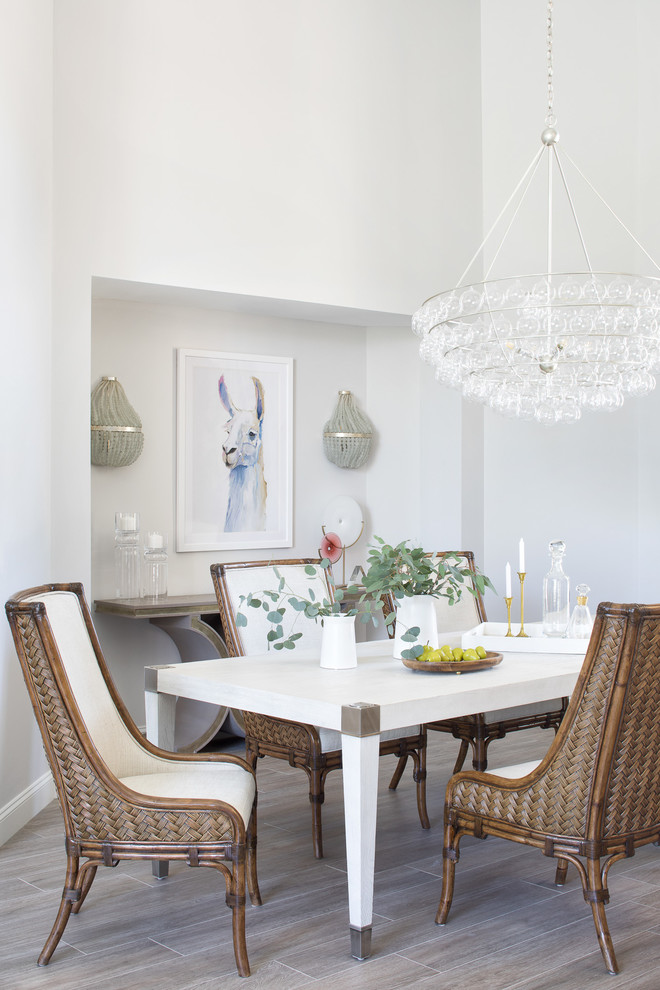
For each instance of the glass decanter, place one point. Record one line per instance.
(556, 590)
(127, 555)
(581, 622)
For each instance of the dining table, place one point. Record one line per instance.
(378, 694)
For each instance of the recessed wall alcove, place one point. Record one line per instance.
(136, 331)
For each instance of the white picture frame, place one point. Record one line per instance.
(239, 497)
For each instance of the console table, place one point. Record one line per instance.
(193, 624)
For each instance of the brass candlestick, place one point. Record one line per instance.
(521, 575)
(508, 615)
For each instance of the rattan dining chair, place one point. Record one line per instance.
(314, 749)
(477, 731)
(595, 796)
(121, 797)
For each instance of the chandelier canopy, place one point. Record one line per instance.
(545, 346)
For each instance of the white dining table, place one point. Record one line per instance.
(361, 702)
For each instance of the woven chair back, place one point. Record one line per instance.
(231, 581)
(599, 775)
(89, 737)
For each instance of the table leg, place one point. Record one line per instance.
(159, 711)
(360, 773)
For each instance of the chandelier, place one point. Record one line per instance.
(545, 346)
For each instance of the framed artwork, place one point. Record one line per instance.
(234, 451)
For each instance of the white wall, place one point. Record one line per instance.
(294, 151)
(25, 390)
(225, 146)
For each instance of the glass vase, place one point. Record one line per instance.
(415, 611)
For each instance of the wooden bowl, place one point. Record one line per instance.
(453, 666)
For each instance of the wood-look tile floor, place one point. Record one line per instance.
(509, 926)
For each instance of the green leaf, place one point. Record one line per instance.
(275, 615)
(310, 570)
(241, 620)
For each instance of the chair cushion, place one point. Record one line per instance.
(537, 708)
(516, 770)
(207, 782)
(157, 776)
(331, 740)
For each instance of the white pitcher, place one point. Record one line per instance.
(338, 650)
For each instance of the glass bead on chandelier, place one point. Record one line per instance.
(545, 347)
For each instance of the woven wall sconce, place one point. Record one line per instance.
(117, 437)
(348, 434)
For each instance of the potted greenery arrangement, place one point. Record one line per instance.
(407, 576)
(412, 578)
(338, 620)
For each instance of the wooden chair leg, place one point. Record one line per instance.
(236, 901)
(462, 753)
(398, 772)
(419, 776)
(449, 860)
(480, 754)
(316, 798)
(84, 882)
(597, 896)
(560, 873)
(251, 861)
(68, 894)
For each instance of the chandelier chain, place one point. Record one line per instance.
(550, 118)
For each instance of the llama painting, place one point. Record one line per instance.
(242, 453)
(234, 451)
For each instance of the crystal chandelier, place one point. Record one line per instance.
(545, 346)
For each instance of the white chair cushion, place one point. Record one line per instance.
(517, 770)
(537, 708)
(331, 740)
(215, 782)
(120, 751)
(463, 615)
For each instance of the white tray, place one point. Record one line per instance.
(492, 636)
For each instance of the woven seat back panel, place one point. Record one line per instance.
(559, 800)
(255, 580)
(635, 761)
(93, 808)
